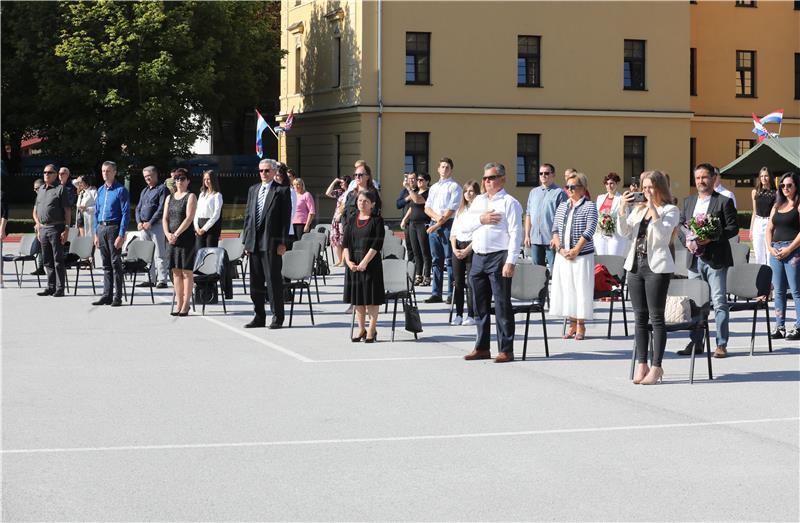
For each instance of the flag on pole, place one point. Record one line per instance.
(261, 126)
(759, 129)
(775, 116)
(287, 124)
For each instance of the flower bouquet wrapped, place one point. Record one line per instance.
(702, 227)
(607, 224)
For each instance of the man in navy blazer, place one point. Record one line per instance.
(266, 225)
(712, 265)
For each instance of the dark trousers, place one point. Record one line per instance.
(209, 239)
(461, 269)
(648, 292)
(418, 241)
(299, 229)
(486, 278)
(266, 282)
(112, 261)
(53, 256)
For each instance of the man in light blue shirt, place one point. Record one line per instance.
(542, 204)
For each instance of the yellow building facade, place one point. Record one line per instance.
(596, 86)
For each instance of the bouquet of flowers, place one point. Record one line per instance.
(607, 224)
(702, 227)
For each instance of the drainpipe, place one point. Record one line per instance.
(380, 91)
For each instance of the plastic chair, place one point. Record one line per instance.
(391, 248)
(23, 254)
(616, 266)
(236, 257)
(529, 285)
(209, 267)
(81, 254)
(138, 261)
(396, 285)
(298, 268)
(312, 246)
(751, 281)
(740, 253)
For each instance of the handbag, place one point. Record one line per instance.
(678, 309)
(413, 321)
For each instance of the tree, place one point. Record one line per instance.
(134, 80)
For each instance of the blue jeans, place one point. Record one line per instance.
(786, 272)
(440, 257)
(543, 254)
(717, 280)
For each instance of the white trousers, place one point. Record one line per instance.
(760, 239)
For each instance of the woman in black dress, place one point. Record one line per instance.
(179, 210)
(363, 279)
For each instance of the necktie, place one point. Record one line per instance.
(262, 196)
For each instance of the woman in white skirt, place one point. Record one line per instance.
(763, 199)
(609, 242)
(572, 291)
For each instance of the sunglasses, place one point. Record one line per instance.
(574, 187)
(181, 178)
(359, 175)
(786, 185)
(545, 173)
(491, 178)
(421, 180)
(50, 172)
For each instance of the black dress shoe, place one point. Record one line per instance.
(275, 325)
(145, 284)
(102, 301)
(435, 298)
(116, 303)
(183, 314)
(38, 272)
(255, 324)
(449, 300)
(59, 293)
(698, 349)
(778, 334)
(46, 292)
(161, 285)
(173, 313)
(360, 337)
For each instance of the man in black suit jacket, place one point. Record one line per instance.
(266, 227)
(712, 265)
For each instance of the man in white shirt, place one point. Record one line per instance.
(495, 219)
(444, 197)
(721, 188)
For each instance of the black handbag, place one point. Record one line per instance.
(322, 267)
(413, 321)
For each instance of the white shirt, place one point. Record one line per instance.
(208, 206)
(701, 207)
(443, 196)
(458, 230)
(725, 192)
(294, 208)
(505, 235)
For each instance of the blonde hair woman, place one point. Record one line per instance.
(650, 228)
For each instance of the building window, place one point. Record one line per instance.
(742, 146)
(416, 158)
(745, 3)
(745, 74)
(418, 58)
(528, 61)
(797, 76)
(797, 5)
(336, 60)
(634, 158)
(634, 65)
(693, 71)
(298, 64)
(692, 159)
(527, 160)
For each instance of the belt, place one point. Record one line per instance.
(109, 223)
(50, 224)
(489, 253)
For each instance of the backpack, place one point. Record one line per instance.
(604, 281)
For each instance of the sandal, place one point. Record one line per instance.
(572, 332)
(581, 332)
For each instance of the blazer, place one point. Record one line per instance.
(276, 219)
(717, 253)
(659, 237)
(584, 223)
(614, 204)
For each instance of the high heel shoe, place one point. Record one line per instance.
(373, 339)
(573, 329)
(655, 375)
(361, 336)
(580, 333)
(639, 376)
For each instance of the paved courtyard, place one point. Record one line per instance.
(130, 414)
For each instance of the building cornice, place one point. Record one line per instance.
(734, 119)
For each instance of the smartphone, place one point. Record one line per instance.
(638, 197)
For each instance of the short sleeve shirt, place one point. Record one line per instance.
(50, 204)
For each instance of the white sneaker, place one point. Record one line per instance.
(457, 321)
(468, 321)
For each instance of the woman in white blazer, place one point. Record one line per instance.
(609, 202)
(649, 228)
(86, 197)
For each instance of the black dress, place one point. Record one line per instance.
(180, 255)
(364, 288)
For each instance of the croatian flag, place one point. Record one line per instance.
(773, 117)
(261, 126)
(287, 124)
(759, 129)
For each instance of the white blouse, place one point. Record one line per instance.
(208, 206)
(458, 231)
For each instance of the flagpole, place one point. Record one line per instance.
(779, 127)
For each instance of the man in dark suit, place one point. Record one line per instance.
(712, 265)
(266, 227)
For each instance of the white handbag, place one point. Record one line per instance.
(678, 309)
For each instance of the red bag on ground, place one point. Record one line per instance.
(604, 281)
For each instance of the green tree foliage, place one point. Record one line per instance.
(132, 81)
